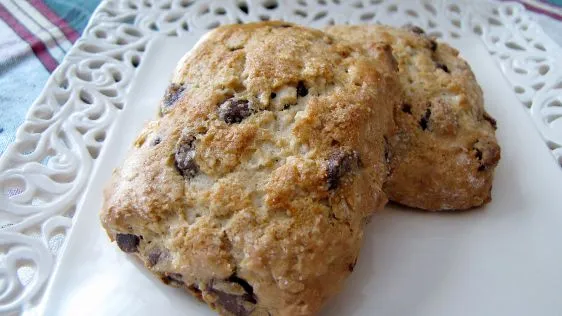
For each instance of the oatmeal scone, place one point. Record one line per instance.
(445, 150)
(252, 189)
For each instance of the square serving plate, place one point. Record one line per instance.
(502, 259)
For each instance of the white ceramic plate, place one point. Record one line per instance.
(503, 259)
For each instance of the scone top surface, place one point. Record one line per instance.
(445, 151)
(252, 189)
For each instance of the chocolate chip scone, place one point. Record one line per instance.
(252, 189)
(445, 150)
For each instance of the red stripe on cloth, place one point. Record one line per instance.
(531, 7)
(551, 14)
(66, 29)
(37, 46)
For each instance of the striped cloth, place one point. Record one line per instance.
(35, 35)
(550, 8)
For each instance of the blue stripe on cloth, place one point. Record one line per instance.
(21, 82)
(22, 76)
(75, 13)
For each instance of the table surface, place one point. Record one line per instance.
(36, 34)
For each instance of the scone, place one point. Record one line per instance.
(445, 150)
(252, 189)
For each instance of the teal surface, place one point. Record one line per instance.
(75, 12)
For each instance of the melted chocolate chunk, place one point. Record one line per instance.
(234, 111)
(172, 94)
(154, 257)
(232, 303)
(235, 303)
(173, 279)
(185, 157)
(339, 164)
(195, 291)
(491, 120)
(432, 45)
(273, 95)
(414, 29)
(424, 121)
(127, 242)
(442, 67)
(487, 153)
(246, 286)
(407, 108)
(302, 90)
(478, 154)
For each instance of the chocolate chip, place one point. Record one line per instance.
(491, 120)
(235, 303)
(127, 242)
(442, 67)
(273, 95)
(173, 279)
(302, 90)
(488, 154)
(340, 163)
(195, 291)
(234, 110)
(478, 154)
(232, 303)
(154, 257)
(424, 121)
(407, 108)
(246, 286)
(172, 94)
(432, 45)
(414, 29)
(185, 157)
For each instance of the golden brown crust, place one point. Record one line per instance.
(252, 190)
(444, 152)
